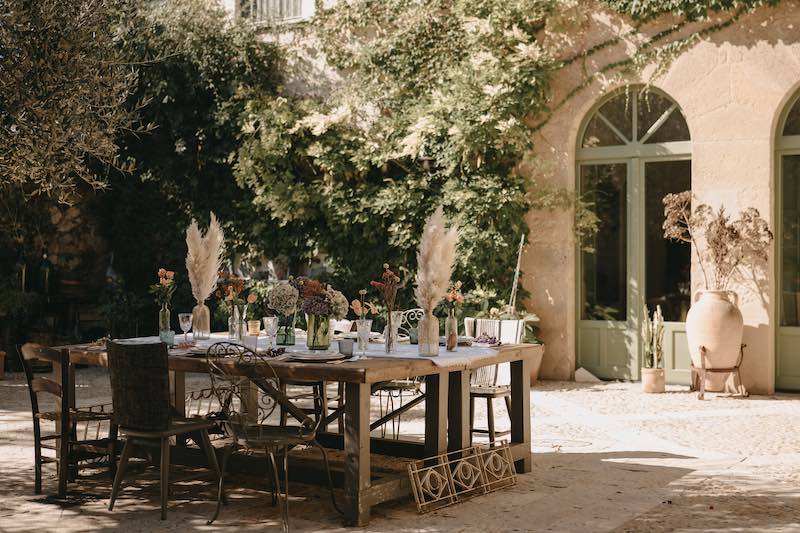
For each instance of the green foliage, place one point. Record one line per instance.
(691, 9)
(62, 83)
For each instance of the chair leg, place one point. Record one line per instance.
(221, 491)
(286, 489)
(272, 475)
(324, 405)
(63, 464)
(340, 403)
(164, 476)
(123, 465)
(328, 471)
(508, 405)
(212, 456)
(113, 432)
(283, 411)
(37, 450)
(490, 418)
(277, 482)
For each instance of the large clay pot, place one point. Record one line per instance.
(715, 322)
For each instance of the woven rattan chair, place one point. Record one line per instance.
(483, 384)
(140, 394)
(248, 392)
(70, 449)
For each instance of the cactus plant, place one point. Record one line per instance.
(653, 337)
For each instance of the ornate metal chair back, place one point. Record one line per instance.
(410, 318)
(140, 385)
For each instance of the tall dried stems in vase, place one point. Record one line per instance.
(201, 321)
(203, 262)
(388, 286)
(428, 331)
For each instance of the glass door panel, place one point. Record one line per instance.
(604, 268)
(667, 263)
(788, 349)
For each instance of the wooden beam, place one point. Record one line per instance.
(357, 453)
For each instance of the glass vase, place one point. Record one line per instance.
(164, 318)
(363, 326)
(201, 321)
(428, 335)
(451, 331)
(285, 336)
(236, 325)
(390, 334)
(254, 328)
(318, 332)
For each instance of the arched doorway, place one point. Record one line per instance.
(787, 364)
(634, 149)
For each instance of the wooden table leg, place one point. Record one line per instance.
(357, 453)
(458, 432)
(436, 390)
(178, 382)
(521, 410)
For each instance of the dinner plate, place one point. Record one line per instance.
(315, 357)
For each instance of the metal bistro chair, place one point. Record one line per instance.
(140, 395)
(397, 390)
(483, 384)
(70, 449)
(248, 391)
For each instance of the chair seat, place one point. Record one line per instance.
(261, 436)
(400, 385)
(490, 391)
(176, 427)
(75, 416)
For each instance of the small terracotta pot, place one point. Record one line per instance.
(653, 380)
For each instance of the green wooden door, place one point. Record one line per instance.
(787, 363)
(635, 149)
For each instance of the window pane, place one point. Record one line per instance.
(605, 271)
(674, 129)
(599, 134)
(790, 242)
(651, 107)
(619, 112)
(792, 126)
(668, 264)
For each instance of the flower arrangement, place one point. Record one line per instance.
(204, 258)
(388, 286)
(454, 297)
(435, 260)
(165, 288)
(729, 244)
(320, 300)
(283, 298)
(453, 300)
(230, 290)
(653, 337)
(362, 308)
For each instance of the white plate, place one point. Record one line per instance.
(315, 357)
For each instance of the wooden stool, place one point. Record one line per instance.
(699, 374)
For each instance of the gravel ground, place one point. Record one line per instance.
(606, 458)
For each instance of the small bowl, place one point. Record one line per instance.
(346, 346)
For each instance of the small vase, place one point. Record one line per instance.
(390, 334)
(254, 328)
(236, 327)
(451, 331)
(164, 318)
(428, 332)
(285, 336)
(363, 326)
(318, 332)
(201, 321)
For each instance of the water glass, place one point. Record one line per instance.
(185, 320)
(271, 329)
(363, 326)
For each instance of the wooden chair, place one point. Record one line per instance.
(140, 395)
(248, 391)
(483, 384)
(69, 449)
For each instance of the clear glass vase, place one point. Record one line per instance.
(318, 332)
(285, 336)
(201, 321)
(390, 334)
(164, 318)
(363, 326)
(428, 334)
(451, 331)
(236, 324)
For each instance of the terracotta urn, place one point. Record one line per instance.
(653, 380)
(715, 323)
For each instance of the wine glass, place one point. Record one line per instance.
(271, 329)
(185, 320)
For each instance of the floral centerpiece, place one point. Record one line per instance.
(203, 262)
(453, 300)
(163, 291)
(388, 286)
(230, 292)
(363, 309)
(283, 300)
(320, 303)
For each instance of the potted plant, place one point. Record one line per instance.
(723, 246)
(653, 344)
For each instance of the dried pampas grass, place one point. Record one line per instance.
(435, 260)
(204, 257)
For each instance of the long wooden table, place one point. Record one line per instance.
(447, 415)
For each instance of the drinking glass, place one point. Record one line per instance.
(185, 320)
(364, 326)
(271, 329)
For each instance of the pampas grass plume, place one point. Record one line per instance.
(435, 261)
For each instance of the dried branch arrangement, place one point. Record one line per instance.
(204, 257)
(435, 260)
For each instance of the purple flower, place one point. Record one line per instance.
(316, 305)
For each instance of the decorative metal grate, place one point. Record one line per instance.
(453, 477)
(268, 11)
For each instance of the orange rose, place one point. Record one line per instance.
(251, 298)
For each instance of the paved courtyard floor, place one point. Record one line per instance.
(606, 458)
